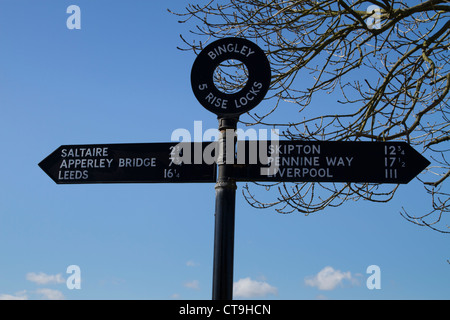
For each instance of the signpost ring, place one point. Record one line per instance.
(221, 103)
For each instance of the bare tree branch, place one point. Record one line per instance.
(390, 77)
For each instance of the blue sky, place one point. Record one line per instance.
(120, 79)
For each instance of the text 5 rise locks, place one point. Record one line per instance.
(255, 89)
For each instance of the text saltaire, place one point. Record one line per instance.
(84, 152)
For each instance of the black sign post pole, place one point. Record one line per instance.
(225, 213)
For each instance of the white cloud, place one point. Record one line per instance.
(18, 296)
(50, 294)
(194, 284)
(192, 263)
(42, 293)
(42, 278)
(248, 288)
(328, 279)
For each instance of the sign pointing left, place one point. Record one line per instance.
(127, 163)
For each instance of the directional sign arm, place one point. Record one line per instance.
(328, 161)
(127, 163)
(285, 161)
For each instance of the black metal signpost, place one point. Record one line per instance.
(228, 107)
(279, 161)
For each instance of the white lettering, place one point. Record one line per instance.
(85, 163)
(230, 47)
(374, 281)
(249, 96)
(215, 101)
(137, 162)
(74, 281)
(212, 55)
(207, 311)
(72, 175)
(287, 149)
(303, 173)
(84, 152)
(339, 161)
(74, 21)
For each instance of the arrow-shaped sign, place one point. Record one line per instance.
(126, 163)
(328, 161)
(278, 161)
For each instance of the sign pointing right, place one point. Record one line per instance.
(328, 161)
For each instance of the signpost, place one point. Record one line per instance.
(228, 107)
(272, 161)
(127, 163)
(328, 161)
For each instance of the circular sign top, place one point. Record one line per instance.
(258, 83)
